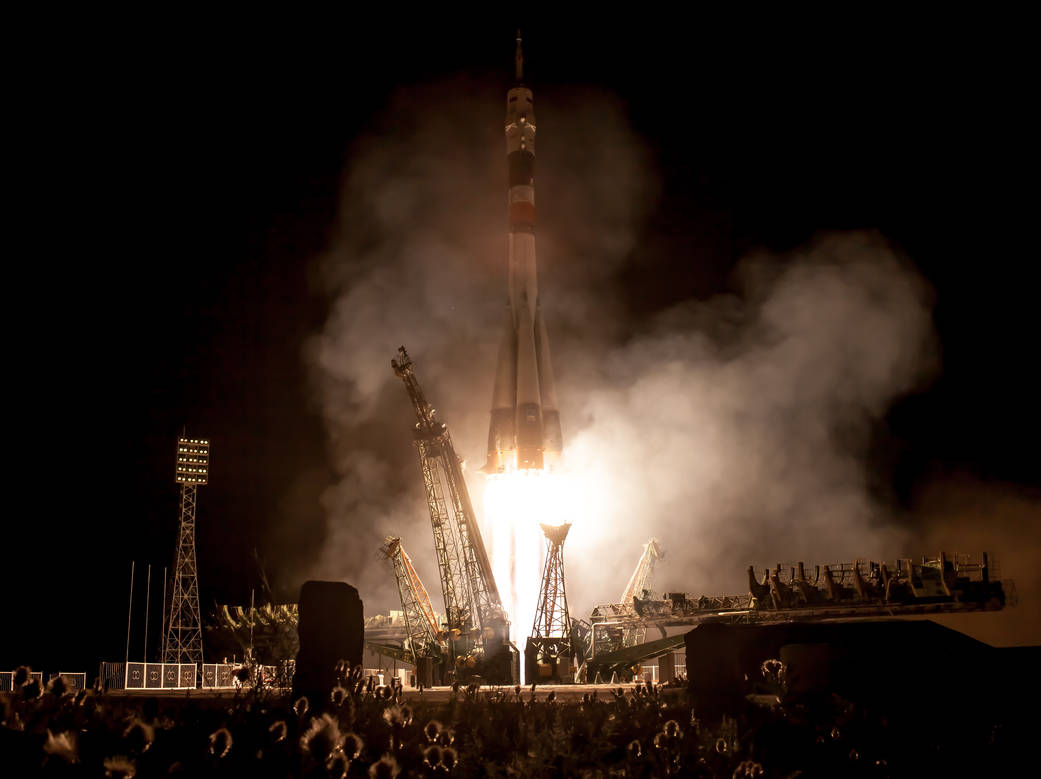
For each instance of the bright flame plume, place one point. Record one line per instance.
(515, 504)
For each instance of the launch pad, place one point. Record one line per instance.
(491, 594)
(487, 589)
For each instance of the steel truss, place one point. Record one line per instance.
(473, 608)
(183, 640)
(420, 623)
(551, 615)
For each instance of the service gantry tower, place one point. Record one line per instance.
(473, 607)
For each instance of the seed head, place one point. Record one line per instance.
(352, 745)
(384, 768)
(432, 730)
(397, 716)
(337, 764)
(57, 686)
(32, 690)
(63, 746)
(322, 738)
(449, 758)
(139, 736)
(432, 755)
(338, 695)
(119, 767)
(220, 742)
(278, 731)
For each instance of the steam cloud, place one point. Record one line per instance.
(733, 429)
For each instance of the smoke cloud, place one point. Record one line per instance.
(739, 426)
(420, 260)
(734, 429)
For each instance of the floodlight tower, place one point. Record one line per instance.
(548, 653)
(183, 640)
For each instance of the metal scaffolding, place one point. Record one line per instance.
(420, 623)
(473, 608)
(549, 651)
(639, 587)
(551, 615)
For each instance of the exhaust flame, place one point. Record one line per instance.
(516, 502)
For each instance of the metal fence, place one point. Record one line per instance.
(161, 676)
(74, 680)
(7, 679)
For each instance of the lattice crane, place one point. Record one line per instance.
(638, 587)
(424, 634)
(473, 606)
(641, 578)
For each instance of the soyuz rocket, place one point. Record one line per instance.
(524, 432)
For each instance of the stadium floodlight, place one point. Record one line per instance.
(193, 461)
(183, 640)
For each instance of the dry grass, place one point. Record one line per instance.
(365, 731)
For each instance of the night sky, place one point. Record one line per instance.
(172, 190)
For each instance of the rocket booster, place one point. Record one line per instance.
(525, 424)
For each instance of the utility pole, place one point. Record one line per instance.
(148, 599)
(130, 610)
(162, 621)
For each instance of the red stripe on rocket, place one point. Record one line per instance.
(525, 424)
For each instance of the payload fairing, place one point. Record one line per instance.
(524, 433)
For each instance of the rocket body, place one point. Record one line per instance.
(524, 433)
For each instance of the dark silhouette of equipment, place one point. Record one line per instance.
(331, 629)
(183, 640)
(787, 594)
(870, 662)
(865, 589)
(548, 654)
(476, 621)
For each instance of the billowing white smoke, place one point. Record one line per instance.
(732, 429)
(735, 429)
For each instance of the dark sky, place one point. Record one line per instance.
(168, 193)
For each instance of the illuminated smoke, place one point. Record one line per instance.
(419, 258)
(734, 429)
